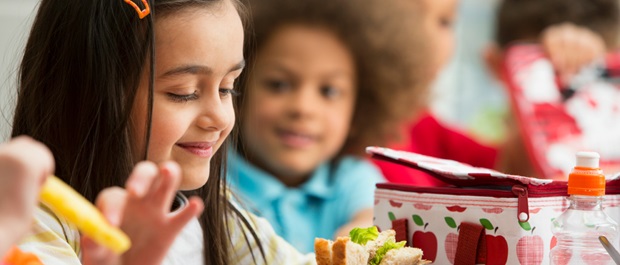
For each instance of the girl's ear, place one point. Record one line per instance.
(493, 57)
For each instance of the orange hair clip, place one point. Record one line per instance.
(141, 13)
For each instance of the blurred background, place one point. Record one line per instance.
(464, 96)
(15, 20)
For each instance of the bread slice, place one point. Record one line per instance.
(402, 256)
(323, 250)
(345, 252)
(373, 245)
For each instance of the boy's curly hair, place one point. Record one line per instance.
(526, 19)
(384, 40)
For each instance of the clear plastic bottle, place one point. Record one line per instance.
(578, 228)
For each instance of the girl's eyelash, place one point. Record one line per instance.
(229, 91)
(183, 98)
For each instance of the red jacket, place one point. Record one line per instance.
(429, 137)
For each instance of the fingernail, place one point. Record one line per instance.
(139, 187)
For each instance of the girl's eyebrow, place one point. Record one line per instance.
(188, 69)
(240, 65)
(193, 69)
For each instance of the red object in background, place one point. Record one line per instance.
(559, 119)
(429, 137)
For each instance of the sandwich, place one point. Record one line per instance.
(366, 246)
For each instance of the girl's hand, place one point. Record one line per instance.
(143, 212)
(24, 165)
(571, 47)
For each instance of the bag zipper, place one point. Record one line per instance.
(521, 192)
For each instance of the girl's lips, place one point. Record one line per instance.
(201, 149)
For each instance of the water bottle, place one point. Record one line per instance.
(578, 228)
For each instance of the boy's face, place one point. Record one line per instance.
(438, 18)
(199, 53)
(300, 103)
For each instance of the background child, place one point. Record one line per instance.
(426, 134)
(574, 33)
(105, 89)
(24, 165)
(326, 83)
(429, 136)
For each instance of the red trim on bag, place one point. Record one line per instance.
(486, 191)
(400, 227)
(467, 248)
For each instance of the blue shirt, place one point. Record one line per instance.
(317, 208)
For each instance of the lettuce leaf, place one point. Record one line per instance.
(363, 235)
(387, 246)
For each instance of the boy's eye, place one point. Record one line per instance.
(277, 86)
(330, 92)
(183, 98)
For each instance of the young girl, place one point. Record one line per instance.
(24, 165)
(327, 82)
(105, 85)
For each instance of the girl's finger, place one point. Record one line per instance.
(180, 218)
(37, 156)
(111, 203)
(170, 178)
(141, 179)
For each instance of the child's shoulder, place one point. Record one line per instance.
(52, 239)
(350, 163)
(355, 169)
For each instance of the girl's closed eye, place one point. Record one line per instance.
(225, 92)
(227, 87)
(182, 97)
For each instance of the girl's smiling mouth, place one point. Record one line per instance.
(201, 149)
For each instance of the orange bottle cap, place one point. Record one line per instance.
(586, 178)
(586, 181)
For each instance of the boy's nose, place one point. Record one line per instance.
(305, 102)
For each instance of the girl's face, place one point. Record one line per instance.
(199, 54)
(438, 19)
(300, 103)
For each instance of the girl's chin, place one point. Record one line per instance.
(192, 185)
(194, 180)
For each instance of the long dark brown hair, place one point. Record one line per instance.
(77, 83)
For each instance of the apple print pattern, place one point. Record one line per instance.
(425, 240)
(497, 247)
(530, 248)
(452, 239)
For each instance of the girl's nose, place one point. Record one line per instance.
(215, 115)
